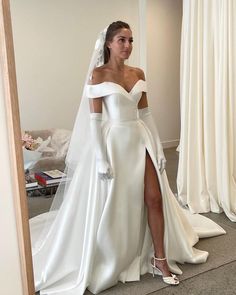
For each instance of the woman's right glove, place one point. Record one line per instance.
(103, 167)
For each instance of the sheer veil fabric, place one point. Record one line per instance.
(79, 149)
(96, 232)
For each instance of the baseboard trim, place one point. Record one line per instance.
(170, 143)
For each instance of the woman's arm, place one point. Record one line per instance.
(103, 167)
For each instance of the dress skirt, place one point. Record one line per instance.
(100, 235)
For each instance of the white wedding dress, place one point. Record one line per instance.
(106, 239)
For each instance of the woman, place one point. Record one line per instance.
(118, 218)
(118, 49)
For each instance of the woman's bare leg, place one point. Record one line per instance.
(153, 201)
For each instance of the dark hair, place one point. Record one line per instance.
(111, 32)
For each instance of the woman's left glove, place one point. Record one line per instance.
(103, 166)
(146, 116)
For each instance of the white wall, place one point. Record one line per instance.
(164, 19)
(10, 279)
(53, 45)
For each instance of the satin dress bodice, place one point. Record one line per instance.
(119, 104)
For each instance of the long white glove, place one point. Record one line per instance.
(103, 167)
(146, 116)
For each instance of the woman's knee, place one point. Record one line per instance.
(153, 199)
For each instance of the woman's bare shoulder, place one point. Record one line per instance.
(98, 75)
(138, 72)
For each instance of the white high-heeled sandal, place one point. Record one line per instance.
(172, 280)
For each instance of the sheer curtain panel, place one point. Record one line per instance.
(207, 162)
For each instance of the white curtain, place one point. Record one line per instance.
(207, 165)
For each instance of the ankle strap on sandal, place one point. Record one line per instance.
(159, 259)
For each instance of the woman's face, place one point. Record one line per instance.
(121, 44)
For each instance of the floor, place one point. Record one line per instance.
(216, 277)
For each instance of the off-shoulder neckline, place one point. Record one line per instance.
(111, 82)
